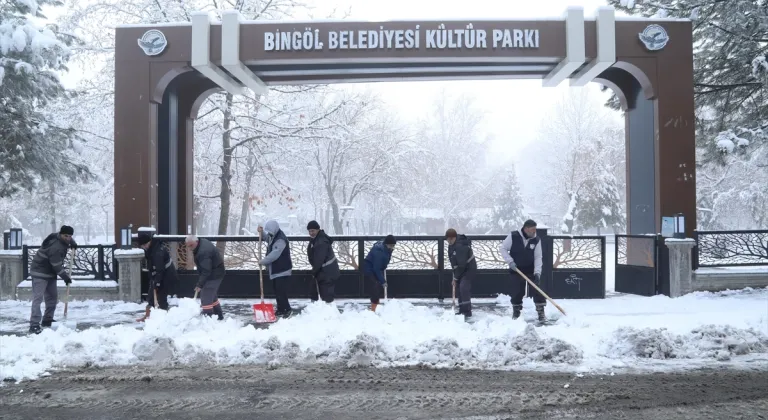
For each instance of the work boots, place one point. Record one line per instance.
(516, 310)
(217, 311)
(373, 306)
(146, 315)
(540, 312)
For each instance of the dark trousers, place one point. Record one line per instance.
(326, 286)
(162, 298)
(209, 298)
(280, 285)
(376, 288)
(464, 294)
(43, 289)
(518, 288)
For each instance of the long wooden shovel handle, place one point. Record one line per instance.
(261, 275)
(156, 305)
(69, 271)
(540, 291)
(385, 284)
(453, 294)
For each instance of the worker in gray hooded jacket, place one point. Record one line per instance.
(278, 259)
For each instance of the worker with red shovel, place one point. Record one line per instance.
(278, 261)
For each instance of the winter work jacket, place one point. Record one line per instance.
(523, 251)
(322, 258)
(49, 258)
(462, 258)
(377, 260)
(209, 262)
(162, 271)
(278, 257)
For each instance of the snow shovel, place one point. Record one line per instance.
(263, 312)
(385, 285)
(72, 325)
(540, 291)
(453, 299)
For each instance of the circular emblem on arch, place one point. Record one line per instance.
(654, 37)
(153, 42)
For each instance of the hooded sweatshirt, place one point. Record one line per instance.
(278, 257)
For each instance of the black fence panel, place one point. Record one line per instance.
(636, 264)
(578, 267)
(577, 284)
(737, 248)
(419, 267)
(91, 262)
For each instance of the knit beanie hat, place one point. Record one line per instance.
(313, 225)
(144, 237)
(389, 240)
(66, 230)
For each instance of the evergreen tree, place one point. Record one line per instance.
(32, 149)
(507, 212)
(600, 204)
(730, 68)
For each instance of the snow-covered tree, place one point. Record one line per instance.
(454, 150)
(579, 141)
(599, 203)
(355, 149)
(32, 148)
(507, 214)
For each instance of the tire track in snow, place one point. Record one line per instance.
(336, 392)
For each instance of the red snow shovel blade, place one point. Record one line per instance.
(264, 312)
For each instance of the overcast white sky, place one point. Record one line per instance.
(512, 108)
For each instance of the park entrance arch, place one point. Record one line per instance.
(164, 72)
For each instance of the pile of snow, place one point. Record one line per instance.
(597, 335)
(709, 341)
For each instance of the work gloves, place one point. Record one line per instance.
(512, 266)
(67, 280)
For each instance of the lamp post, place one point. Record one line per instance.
(16, 239)
(679, 226)
(125, 237)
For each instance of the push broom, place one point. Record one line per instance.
(267, 310)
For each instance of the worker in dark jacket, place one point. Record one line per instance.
(210, 266)
(464, 269)
(374, 265)
(47, 264)
(521, 249)
(278, 259)
(325, 267)
(162, 272)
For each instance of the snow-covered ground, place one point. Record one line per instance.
(617, 334)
